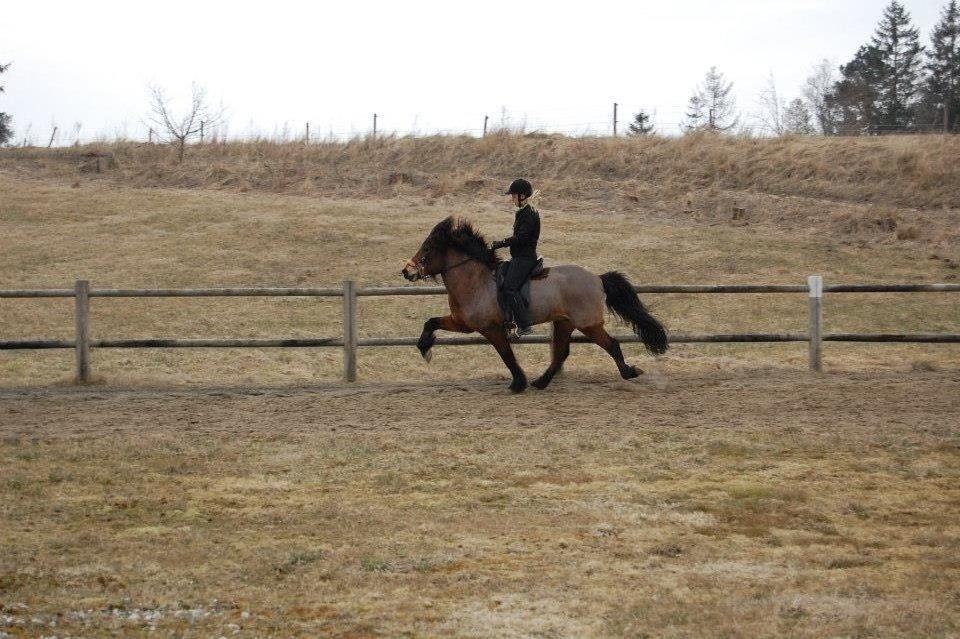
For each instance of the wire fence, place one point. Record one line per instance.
(609, 120)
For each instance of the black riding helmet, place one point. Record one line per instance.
(520, 187)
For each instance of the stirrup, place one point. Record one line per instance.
(516, 332)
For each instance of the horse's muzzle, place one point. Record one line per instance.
(410, 272)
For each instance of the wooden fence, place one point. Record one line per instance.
(350, 342)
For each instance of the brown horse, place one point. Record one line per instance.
(571, 297)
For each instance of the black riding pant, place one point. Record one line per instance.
(518, 272)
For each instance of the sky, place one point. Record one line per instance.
(422, 66)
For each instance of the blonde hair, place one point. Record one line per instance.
(533, 199)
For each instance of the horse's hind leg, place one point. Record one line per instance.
(602, 338)
(560, 349)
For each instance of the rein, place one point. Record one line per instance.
(444, 271)
(458, 264)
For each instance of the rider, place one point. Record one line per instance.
(523, 255)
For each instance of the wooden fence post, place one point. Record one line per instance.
(485, 119)
(815, 331)
(615, 119)
(82, 329)
(349, 331)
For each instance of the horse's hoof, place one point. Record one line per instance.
(518, 387)
(540, 383)
(630, 372)
(425, 346)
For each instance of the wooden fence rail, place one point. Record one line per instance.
(350, 342)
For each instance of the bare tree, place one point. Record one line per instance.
(189, 126)
(815, 91)
(771, 108)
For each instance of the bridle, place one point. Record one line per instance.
(418, 265)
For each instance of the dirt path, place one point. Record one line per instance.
(764, 503)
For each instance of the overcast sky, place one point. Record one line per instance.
(422, 66)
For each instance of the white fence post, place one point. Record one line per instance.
(81, 291)
(815, 330)
(349, 331)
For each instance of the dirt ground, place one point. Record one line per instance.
(768, 502)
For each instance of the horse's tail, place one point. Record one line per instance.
(623, 302)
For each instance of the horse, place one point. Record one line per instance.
(569, 296)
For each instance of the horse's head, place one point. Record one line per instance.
(448, 240)
(427, 262)
(430, 258)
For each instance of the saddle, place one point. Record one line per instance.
(539, 272)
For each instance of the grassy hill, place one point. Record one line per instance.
(913, 171)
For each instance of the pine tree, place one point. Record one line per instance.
(852, 105)
(696, 113)
(899, 52)
(641, 125)
(6, 133)
(942, 87)
(712, 107)
(797, 119)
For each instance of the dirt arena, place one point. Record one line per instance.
(763, 503)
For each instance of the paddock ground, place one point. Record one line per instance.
(765, 502)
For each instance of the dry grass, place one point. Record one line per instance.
(912, 171)
(718, 505)
(118, 236)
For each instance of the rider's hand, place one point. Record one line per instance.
(497, 245)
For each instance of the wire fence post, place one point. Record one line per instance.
(374, 125)
(815, 284)
(349, 331)
(81, 291)
(614, 119)
(307, 137)
(485, 119)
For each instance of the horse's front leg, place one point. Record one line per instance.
(427, 337)
(498, 337)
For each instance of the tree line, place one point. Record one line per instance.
(892, 84)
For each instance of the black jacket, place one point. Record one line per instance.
(526, 232)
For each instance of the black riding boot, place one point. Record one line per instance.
(517, 273)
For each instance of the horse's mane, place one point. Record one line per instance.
(459, 234)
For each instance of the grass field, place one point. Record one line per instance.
(248, 492)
